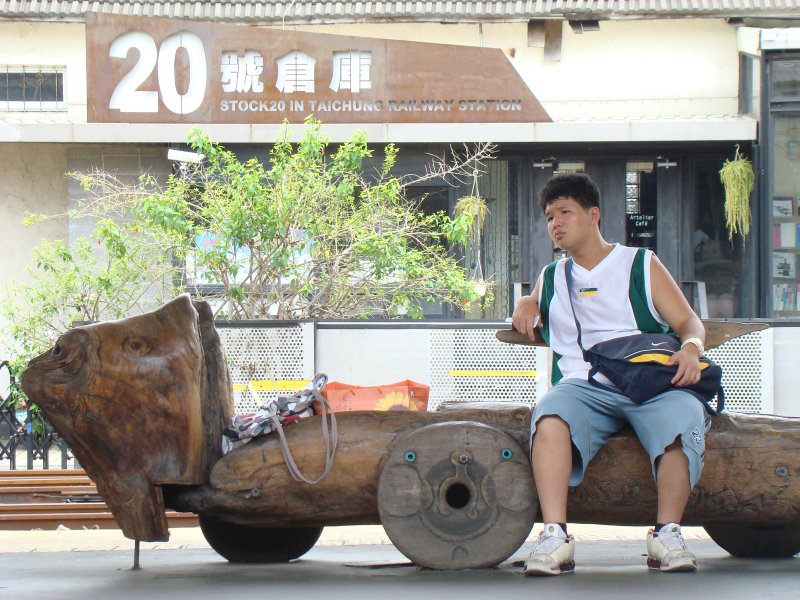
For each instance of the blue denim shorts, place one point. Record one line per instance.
(595, 414)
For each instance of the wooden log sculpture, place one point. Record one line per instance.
(142, 402)
(750, 475)
(750, 480)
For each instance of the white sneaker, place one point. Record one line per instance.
(667, 551)
(553, 554)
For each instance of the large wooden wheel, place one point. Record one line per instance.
(756, 541)
(253, 544)
(457, 495)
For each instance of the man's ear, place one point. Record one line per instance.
(595, 213)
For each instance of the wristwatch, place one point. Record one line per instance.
(697, 343)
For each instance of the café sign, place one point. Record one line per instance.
(147, 70)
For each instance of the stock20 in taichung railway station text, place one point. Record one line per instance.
(322, 106)
(145, 70)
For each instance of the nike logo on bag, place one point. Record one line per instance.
(658, 344)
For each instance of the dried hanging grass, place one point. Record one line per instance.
(738, 180)
(475, 206)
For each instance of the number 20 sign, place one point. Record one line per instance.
(160, 70)
(127, 96)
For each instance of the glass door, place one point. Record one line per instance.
(717, 259)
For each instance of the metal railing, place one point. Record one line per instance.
(27, 440)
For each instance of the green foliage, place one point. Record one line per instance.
(476, 207)
(306, 236)
(109, 277)
(738, 180)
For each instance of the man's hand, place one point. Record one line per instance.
(688, 361)
(527, 316)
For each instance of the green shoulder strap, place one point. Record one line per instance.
(548, 291)
(637, 293)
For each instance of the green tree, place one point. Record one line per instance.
(104, 278)
(309, 235)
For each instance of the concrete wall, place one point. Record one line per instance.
(32, 181)
(379, 356)
(126, 161)
(49, 44)
(371, 356)
(35, 180)
(786, 382)
(647, 68)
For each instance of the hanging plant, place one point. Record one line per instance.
(738, 180)
(474, 206)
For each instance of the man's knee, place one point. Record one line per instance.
(552, 426)
(675, 450)
(552, 435)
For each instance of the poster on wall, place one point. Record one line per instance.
(641, 230)
(151, 70)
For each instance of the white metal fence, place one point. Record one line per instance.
(460, 361)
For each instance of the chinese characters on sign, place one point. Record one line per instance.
(150, 70)
(295, 72)
(241, 73)
(351, 71)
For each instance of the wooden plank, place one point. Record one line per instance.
(49, 515)
(36, 486)
(72, 490)
(68, 473)
(717, 333)
(47, 489)
(45, 507)
(54, 481)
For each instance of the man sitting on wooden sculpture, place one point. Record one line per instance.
(617, 291)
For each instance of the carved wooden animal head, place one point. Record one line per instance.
(128, 397)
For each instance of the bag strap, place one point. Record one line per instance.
(720, 402)
(330, 434)
(568, 273)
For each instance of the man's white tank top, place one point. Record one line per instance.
(612, 300)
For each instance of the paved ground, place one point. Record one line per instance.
(359, 562)
(65, 540)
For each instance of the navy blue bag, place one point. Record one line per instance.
(637, 364)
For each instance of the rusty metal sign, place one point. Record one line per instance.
(149, 70)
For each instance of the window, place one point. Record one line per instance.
(785, 80)
(749, 85)
(32, 89)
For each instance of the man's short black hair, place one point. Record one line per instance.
(578, 186)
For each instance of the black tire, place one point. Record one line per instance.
(253, 544)
(756, 541)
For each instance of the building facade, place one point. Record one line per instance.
(650, 100)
